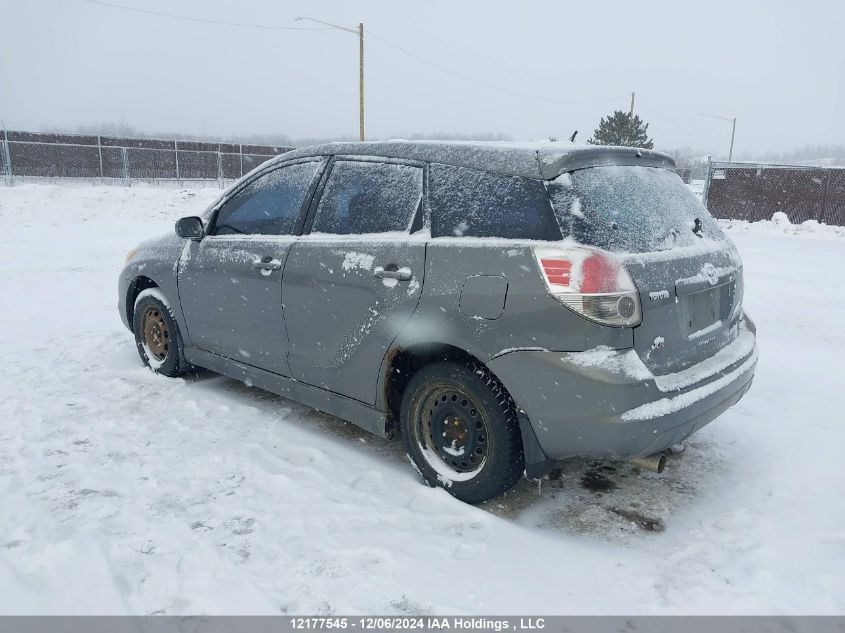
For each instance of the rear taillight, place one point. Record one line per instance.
(591, 283)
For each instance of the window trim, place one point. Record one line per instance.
(238, 187)
(422, 208)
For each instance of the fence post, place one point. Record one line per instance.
(706, 193)
(241, 153)
(100, 154)
(8, 156)
(125, 156)
(219, 167)
(176, 148)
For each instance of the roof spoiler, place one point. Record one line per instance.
(553, 164)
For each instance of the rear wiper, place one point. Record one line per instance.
(669, 232)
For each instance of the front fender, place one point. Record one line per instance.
(158, 261)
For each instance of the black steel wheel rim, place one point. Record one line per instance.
(452, 427)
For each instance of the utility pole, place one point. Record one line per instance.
(631, 111)
(361, 79)
(359, 31)
(732, 121)
(7, 157)
(733, 133)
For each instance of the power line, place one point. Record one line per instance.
(668, 119)
(370, 33)
(188, 18)
(484, 83)
(402, 50)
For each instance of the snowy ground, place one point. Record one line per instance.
(126, 492)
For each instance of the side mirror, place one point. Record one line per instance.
(190, 228)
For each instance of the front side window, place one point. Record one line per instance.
(471, 203)
(364, 197)
(269, 205)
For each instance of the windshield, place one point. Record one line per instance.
(630, 209)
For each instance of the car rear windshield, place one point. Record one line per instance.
(630, 209)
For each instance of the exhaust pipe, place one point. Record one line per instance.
(655, 463)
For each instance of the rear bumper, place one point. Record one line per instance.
(605, 403)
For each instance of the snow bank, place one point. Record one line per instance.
(780, 225)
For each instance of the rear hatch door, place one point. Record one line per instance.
(687, 272)
(690, 306)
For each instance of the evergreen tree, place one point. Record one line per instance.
(621, 128)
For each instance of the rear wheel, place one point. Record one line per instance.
(461, 431)
(157, 334)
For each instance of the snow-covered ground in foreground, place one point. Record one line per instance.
(126, 492)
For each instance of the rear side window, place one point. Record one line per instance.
(471, 203)
(364, 197)
(630, 209)
(269, 205)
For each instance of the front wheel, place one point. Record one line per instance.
(461, 431)
(157, 334)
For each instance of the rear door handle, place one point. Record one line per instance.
(402, 274)
(267, 263)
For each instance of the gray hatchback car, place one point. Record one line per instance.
(501, 307)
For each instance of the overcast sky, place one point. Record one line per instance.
(779, 67)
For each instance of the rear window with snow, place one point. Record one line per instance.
(364, 197)
(470, 203)
(630, 209)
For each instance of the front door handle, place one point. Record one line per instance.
(267, 263)
(391, 272)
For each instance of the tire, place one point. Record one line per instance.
(461, 431)
(157, 335)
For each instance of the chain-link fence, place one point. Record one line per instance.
(755, 191)
(31, 155)
(743, 191)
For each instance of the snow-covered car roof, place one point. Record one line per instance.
(545, 159)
